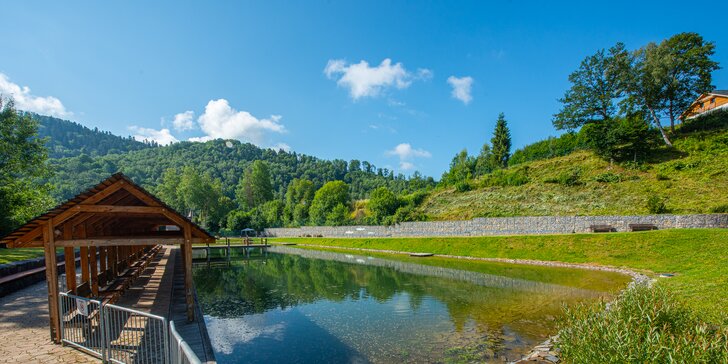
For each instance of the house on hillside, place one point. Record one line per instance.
(707, 102)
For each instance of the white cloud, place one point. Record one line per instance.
(406, 166)
(25, 100)
(279, 146)
(163, 136)
(406, 154)
(364, 81)
(184, 121)
(405, 151)
(201, 139)
(220, 121)
(461, 88)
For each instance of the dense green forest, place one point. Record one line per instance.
(68, 139)
(209, 180)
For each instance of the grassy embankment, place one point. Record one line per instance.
(692, 177)
(697, 257)
(14, 255)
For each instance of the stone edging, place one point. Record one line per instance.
(546, 351)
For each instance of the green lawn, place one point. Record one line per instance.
(14, 255)
(697, 257)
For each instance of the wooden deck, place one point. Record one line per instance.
(160, 290)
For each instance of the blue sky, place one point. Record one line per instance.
(291, 74)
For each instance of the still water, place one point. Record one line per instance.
(305, 306)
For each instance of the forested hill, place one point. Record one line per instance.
(92, 161)
(68, 139)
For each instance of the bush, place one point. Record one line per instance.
(507, 177)
(656, 205)
(608, 177)
(570, 177)
(643, 325)
(720, 209)
(620, 139)
(662, 177)
(462, 186)
(544, 149)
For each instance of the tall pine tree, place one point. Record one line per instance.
(501, 143)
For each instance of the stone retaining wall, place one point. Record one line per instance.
(506, 226)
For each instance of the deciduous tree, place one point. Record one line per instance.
(23, 160)
(328, 197)
(595, 87)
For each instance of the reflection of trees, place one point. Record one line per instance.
(286, 280)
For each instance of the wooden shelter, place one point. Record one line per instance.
(114, 225)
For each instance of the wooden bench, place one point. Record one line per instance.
(602, 228)
(642, 227)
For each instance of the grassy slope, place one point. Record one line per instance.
(698, 257)
(14, 255)
(697, 172)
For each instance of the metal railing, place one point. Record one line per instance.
(82, 325)
(134, 337)
(120, 335)
(180, 352)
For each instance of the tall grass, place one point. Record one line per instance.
(643, 325)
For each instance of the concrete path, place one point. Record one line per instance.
(24, 334)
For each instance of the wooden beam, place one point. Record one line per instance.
(187, 251)
(128, 241)
(141, 195)
(52, 280)
(106, 192)
(102, 209)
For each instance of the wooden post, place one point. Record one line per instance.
(187, 251)
(112, 262)
(94, 271)
(102, 265)
(70, 260)
(52, 279)
(84, 265)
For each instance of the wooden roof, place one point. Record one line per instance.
(114, 212)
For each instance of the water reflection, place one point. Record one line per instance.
(311, 307)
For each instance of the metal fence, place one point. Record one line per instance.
(82, 325)
(180, 352)
(120, 335)
(134, 337)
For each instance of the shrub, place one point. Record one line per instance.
(643, 325)
(620, 139)
(544, 149)
(608, 177)
(507, 177)
(570, 177)
(720, 209)
(662, 177)
(462, 186)
(656, 205)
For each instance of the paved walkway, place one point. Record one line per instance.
(24, 334)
